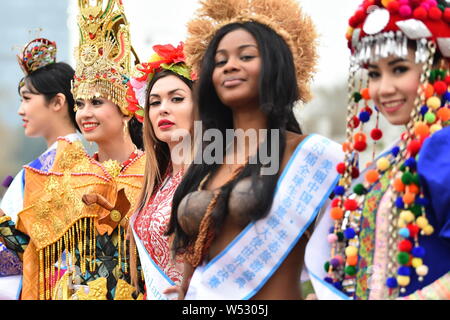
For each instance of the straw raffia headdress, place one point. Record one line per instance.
(285, 17)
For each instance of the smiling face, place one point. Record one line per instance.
(237, 70)
(99, 119)
(393, 85)
(35, 112)
(170, 107)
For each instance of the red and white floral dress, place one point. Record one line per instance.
(151, 225)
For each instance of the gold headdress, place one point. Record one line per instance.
(103, 56)
(283, 16)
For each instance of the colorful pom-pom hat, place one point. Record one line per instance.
(379, 29)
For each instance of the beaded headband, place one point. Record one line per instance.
(37, 54)
(379, 29)
(283, 16)
(103, 55)
(166, 57)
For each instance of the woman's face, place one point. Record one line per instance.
(237, 69)
(35, 113)
(393, 85)
(99, 119)
(170, 108)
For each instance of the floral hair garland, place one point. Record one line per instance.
(166, 57)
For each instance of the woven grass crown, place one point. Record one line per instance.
(285, 17)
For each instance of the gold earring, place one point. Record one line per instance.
(125, 129)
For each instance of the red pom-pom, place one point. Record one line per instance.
(353, 22)
(336, 203)
(340, 168)
(376, 134)
(447, 80)
(447, 15)
(360, 145)
(350, 205)
(354, 123)
(413, 230)
(414, 147)
(360, 15)
(405, 246)
(393, 6)
(368, 109)
(435, 13)
(420, 13)
(355, 172)
(440, 87)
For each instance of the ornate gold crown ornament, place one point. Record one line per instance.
(37, 54)
(285, 17)
(103, 55)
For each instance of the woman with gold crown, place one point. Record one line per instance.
(164, 87)
(47, 111)
(387, 233)
(240, 216)
(78, 212)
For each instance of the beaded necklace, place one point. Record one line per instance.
(124, 164)
(407, 213)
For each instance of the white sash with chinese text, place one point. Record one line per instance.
(249, 261)
(156, 281)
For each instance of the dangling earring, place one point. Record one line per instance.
(125, 129)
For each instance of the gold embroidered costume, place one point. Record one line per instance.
(92, 237)
(76, 215)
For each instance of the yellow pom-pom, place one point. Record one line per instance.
(416, 262)
(349, 33)
(407, 216)
(435, 127)
(434, 103)
(383, 164)
(403, 281)
(428, 230)
(351, 251)
(422, 222)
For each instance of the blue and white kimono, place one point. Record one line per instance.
(12, 204)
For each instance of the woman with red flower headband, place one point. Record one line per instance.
(387, 232)
(165, 89)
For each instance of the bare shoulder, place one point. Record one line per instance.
(292, 142)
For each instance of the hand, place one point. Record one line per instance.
(2, 213)
(175, 290)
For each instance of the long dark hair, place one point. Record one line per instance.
(135, 130)
(50, 80)
(278, 92)
(157, 160)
